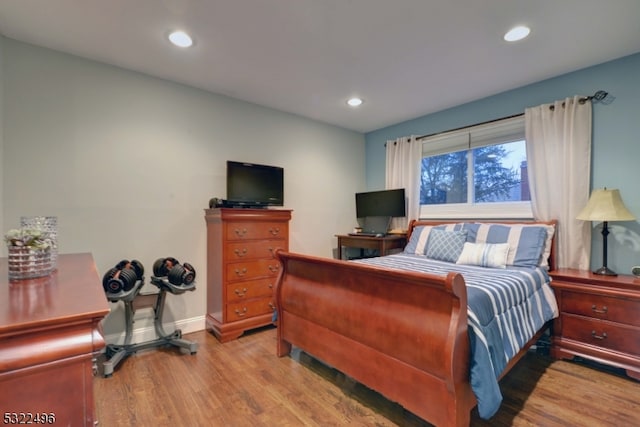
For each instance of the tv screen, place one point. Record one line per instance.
(254, 185)
(389, 203)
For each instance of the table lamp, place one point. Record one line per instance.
(605, 205)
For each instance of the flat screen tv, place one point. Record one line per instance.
(385, 203)
(252, 185)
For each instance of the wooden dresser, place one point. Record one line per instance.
(49, 337)
(241, 267)
(599, 318)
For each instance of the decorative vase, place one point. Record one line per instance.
(25, 262)
(48, 225)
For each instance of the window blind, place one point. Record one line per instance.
(498, 132)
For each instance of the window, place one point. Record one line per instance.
(476, 172)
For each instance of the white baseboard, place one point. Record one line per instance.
(148, 333)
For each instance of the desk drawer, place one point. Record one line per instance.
(601, 307)
(602, 333)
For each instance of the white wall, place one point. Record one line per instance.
(128, 163)
(1, 131)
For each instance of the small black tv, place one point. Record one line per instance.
(253, 185)
(386, 203)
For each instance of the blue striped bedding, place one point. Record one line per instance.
(506, 307)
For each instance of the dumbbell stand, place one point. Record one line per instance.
(133, 301)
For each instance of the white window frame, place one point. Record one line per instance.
(496, 132)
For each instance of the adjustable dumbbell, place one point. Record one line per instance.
(177, 274)
(163, 266)
(134, 265)
(123, 276)
(183, 274)
(116, 280)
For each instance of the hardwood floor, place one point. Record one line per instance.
(243, 383)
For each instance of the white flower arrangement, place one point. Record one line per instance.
(25, 237)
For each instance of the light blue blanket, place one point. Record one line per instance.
(506, 307)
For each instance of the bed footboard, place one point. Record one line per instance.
(403, 334)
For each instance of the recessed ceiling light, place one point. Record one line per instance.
(517, 33)
(180, 39)
(354, 102)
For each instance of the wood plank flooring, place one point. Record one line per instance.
(243, 383)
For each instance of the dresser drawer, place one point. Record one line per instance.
(256, 230)
(249, 308)
(252, 269)
(602, 333)
(246, 250)
(244, 290)
(601, 307)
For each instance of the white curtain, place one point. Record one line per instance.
(559, 165)
(403, 163)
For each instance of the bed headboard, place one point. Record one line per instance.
(552, 259)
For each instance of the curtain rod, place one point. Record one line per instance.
(598, 96)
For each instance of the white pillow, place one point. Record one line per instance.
(484, 254)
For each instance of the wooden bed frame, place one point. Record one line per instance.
(403, 334)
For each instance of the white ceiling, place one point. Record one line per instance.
(405, 58)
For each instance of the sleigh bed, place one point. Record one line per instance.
(418, 327)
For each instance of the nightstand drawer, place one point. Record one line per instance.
(601, 307)
(601, 333)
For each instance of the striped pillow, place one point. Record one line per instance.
(526, 242)
(420, 237)
(484, 254)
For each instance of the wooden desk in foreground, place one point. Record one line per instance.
(49, 336)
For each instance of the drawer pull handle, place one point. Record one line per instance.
(274, 231)
(270, 285)
(241, 293)
(240, 233)
(598, 337)
(241, 253)
(274, 268)
(241, 272)
(603, 311)
(241, 313)
(272, 307)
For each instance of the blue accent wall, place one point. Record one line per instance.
(616, 140)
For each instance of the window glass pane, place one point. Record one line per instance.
(500, 173)
(476, 172)
(444, 179)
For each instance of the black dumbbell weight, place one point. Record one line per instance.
(137, 266)
(163, 266)
(105, 280)
(134, 265)
(182, 274)
(116, 280)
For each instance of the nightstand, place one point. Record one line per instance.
(599, 318)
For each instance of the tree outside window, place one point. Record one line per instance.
(498, 173)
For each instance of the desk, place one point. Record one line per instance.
(49, 335)
(382, 244)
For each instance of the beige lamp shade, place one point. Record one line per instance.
(605, 205)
